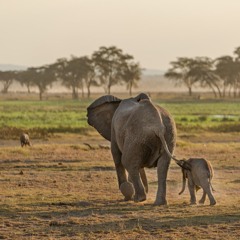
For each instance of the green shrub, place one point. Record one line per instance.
(202, 118)
(184, 119)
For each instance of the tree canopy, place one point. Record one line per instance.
(110, 63)
(221, 75)
(110, 66)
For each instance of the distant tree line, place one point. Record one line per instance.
(107, 67)
(221, 75)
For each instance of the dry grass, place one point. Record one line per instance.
(62, 189)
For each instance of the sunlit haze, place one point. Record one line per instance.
(155, 32)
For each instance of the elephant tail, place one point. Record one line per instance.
(161, 136)
(211, 185)
(211, 173)
(183, 182)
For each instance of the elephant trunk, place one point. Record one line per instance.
(183, 182)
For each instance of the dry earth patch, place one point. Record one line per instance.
(59, 190)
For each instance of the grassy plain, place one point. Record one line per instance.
(41, 118)
(60, 188)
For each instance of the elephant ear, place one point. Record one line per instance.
(100, 114)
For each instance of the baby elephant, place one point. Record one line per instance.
(199, 173)
(25, 140)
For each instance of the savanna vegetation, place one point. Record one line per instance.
(65, 186)
(220, 75)
(59, 116)
(107, 67)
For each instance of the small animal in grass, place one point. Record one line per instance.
(199, 173)
(25, 140)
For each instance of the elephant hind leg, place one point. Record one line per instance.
(140, 194)
(211, 198)
(206, 187)
(191, 188)
(130, 161)
(121, 171)
(144, 179)
(162, 170)
(202, 200)
(127, 190)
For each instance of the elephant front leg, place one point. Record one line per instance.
(162, 169)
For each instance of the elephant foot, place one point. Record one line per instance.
(160, 202)
(212, 203)
(138, 198)
(127, 190)
(193, 203)
(127, 199)
(201, 202)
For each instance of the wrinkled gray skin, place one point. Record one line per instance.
(141, 134)
(25, 140)
(199, 173)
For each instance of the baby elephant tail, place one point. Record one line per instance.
(183, 183)
(211, 186)
(211, 173)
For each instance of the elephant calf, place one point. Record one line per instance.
(25, 140)
(199, 173)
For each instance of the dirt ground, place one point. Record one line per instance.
(66, 188)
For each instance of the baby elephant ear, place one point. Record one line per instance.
(100, 114)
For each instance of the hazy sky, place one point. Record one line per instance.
(155, 32)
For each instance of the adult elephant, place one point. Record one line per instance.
(141, 134)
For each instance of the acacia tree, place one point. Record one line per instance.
(66, 72)
(42, 77)
(224, 68)
(202, 71)
(89, 74)
(180, 73)
(7, 77)
(228, 70)
(83, 70)
(220, 75)
(131, 74)
(108, 63)
(25, 79)
(75, 73)
(237, 71)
